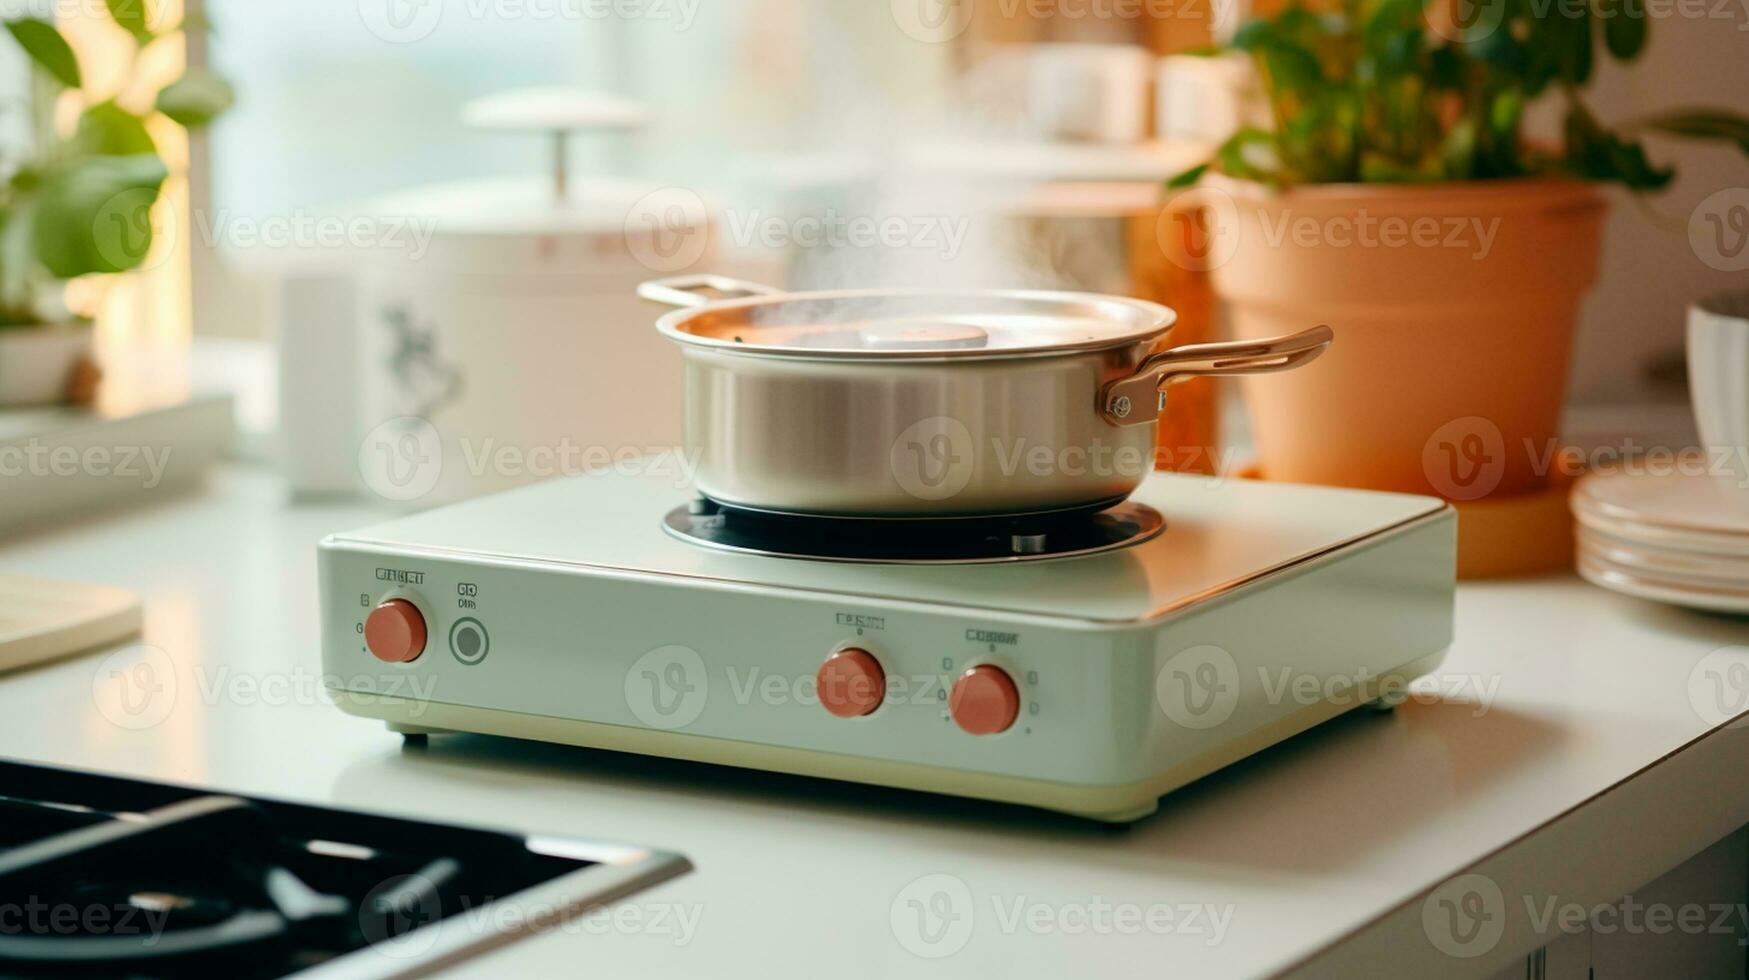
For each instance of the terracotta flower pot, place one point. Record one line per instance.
(37, 363)
(1453, 305)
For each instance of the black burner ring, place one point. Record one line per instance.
(928, 541)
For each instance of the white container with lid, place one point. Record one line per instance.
(500, 340)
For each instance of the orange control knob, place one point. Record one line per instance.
(984, 700)
(395, 632)
(851, 683)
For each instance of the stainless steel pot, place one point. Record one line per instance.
(930, 403)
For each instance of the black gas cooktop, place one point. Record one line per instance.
(104, 876)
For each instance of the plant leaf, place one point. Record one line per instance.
(106, 129)
(132, 16)
(1250, 153)
(1708, 124)
(1599, 154)
(1576, 42)
(196, 99)
(1458, 151)
(1624, 27)
(95, 217)
(47, 48)
(1188, 177)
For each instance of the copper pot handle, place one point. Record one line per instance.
(1124, 401)
(686, 291)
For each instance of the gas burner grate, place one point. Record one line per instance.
(959, 541)
(111, 877)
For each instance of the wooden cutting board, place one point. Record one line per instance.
(42, 619)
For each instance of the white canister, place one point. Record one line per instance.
(495, 337)
(517, 344)
(500, 342)
(1718, 379)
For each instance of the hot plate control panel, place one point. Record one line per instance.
(899, 680)
(982, 699)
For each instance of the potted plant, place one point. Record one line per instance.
(80, 204)
(1395, 197)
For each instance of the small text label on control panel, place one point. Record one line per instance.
(400, 575)
(993, 636)
(862, 622)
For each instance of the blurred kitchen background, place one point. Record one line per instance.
(361, 238)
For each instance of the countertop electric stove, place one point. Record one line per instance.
(1085, 662)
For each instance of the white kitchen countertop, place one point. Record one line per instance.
(1568, 747)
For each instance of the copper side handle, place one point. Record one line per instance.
(1138, 399)
(688, 291)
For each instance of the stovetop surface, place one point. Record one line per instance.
(1220, 533)
(113, 877)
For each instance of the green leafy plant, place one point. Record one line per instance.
(81, 203)
(1399, 91)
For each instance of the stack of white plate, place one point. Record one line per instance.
(1677, 537)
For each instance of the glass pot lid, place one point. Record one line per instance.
(883, 324)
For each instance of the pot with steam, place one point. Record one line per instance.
(895, 403)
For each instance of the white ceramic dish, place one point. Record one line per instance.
(1627, 581)
(1683, 510)
(1655, 560)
